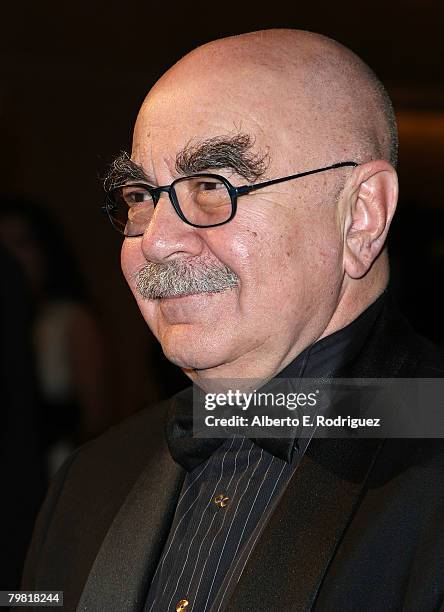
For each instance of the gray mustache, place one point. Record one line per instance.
(174, 278)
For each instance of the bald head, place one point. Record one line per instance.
(323, 100)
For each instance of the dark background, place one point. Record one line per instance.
(75, 73)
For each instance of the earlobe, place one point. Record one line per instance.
(370, 208)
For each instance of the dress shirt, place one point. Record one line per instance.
(232, 487)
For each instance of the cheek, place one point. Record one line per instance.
(296, 264)
(131, 260)
(320, 263)
(244, 243)
(328, 248)
(271, 250)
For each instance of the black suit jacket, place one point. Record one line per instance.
(359, 527)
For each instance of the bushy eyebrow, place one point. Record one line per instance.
(220, 152)
(123, 169)
(235, 152)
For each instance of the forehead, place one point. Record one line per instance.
(181, 110)
(168, 123)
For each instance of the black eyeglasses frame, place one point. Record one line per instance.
(233, 191)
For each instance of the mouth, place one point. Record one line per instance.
(187, 308)
(179, 296)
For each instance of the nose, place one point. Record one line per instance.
(167, 236)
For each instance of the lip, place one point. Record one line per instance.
(201, 294)
(194, 307)
(180, 297)
(189, 308)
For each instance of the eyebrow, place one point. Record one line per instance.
(220, 152)
(236, 152)
(123, 169)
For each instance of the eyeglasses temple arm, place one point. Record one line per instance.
(247, 188)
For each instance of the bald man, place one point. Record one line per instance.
(255, 208)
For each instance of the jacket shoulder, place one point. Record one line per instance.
(87, 492)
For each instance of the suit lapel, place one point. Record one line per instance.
(128, 556)
(294, 550)
(298, 543)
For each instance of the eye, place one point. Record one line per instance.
(211, 194)
(134, 195)
(209, 186)
(204, 191)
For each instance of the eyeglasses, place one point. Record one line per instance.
(200, 200)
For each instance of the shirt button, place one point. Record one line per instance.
(221, 500)
(182, 605)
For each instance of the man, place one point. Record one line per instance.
(238, 279)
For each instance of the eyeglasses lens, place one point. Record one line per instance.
(203, 201)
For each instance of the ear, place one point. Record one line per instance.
(370, 204)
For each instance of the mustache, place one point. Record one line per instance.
(184, 277)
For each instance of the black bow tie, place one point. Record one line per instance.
(189, 452)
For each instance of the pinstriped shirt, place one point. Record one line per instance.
(209, 542)
(227, 499)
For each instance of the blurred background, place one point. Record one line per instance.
(76, 356)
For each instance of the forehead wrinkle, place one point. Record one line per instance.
(235, 152)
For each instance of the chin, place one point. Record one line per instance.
(191, 360)
(191, 349)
